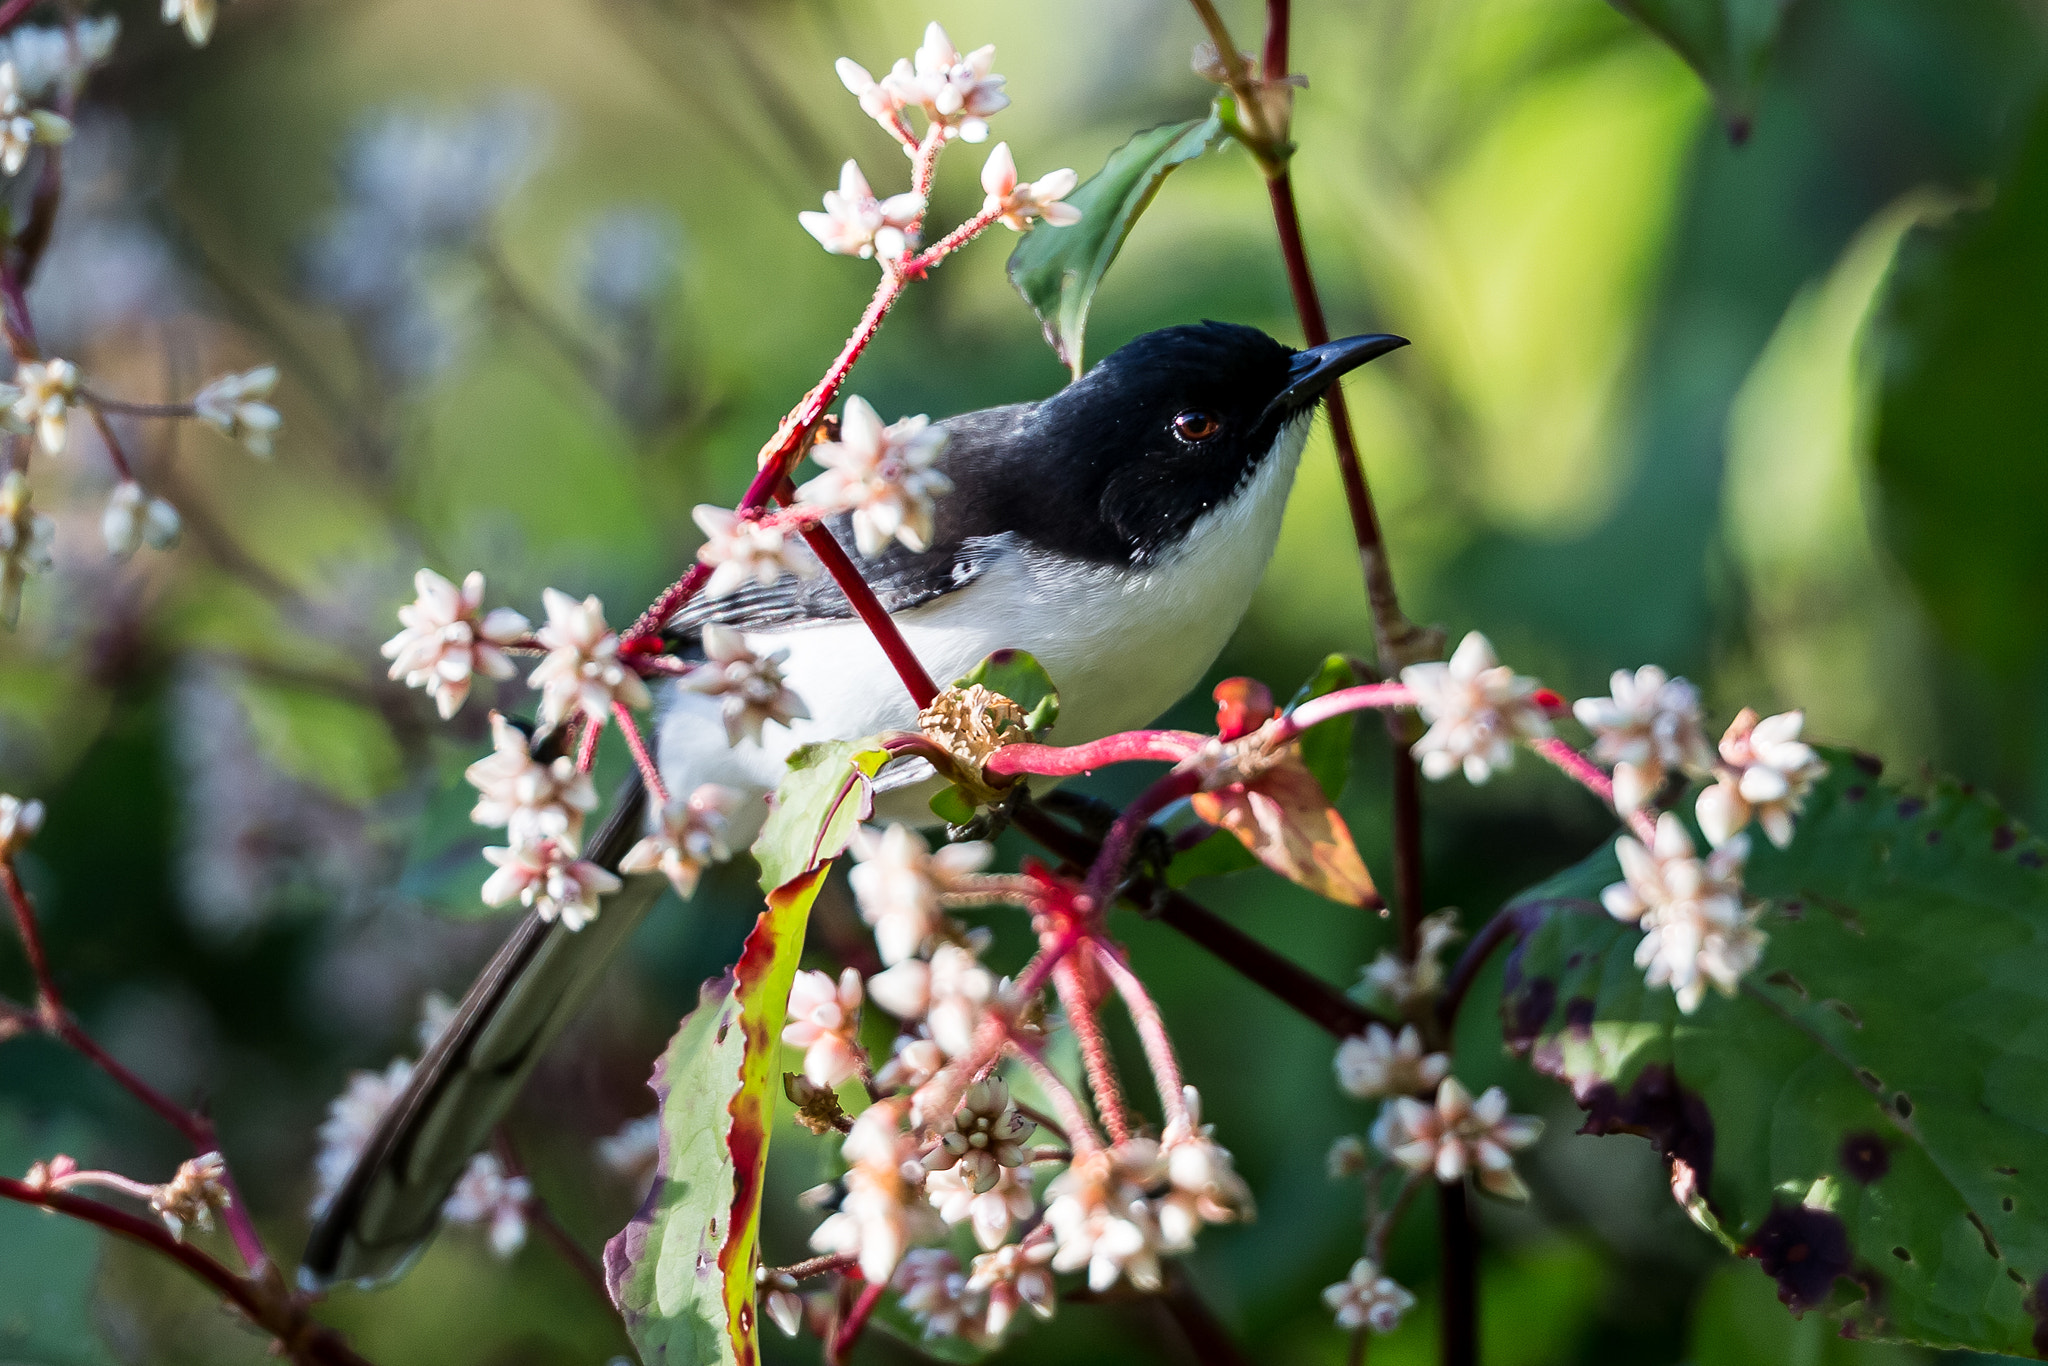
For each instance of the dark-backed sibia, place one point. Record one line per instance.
(1116, 530)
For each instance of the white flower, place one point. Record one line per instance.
(352, 1117)
(27, 539)
(1015, 1275)
(958, 92)
(20, 126)
(1346, 1158)
(949, 993)
(1380, 1063)
(1768, 772)
(824, 1021)
(548, 878)
(1204, 1187)
(132, 518)
(1477, 708)
(1391, 979)
(633, 1150)
(884, 1209)
(43, 394)
(582, 669)
(1101, 1219)
(912, 1062)
(196, 15)
(750, 683)
(855, 223)
(898, 883)
(1015, 205)
(1697, 929)
(981, 1138)
(990, 1213)
(1458, 1135)
(19, 821)
(486, 1195)
(531, 800)
(881, 101)
(883, 475)
(191, 1196)
(1368, 1299)
(741, 550)
(691, 839)
(43, 55)
(233, 404)
(935, 1294)
(1647, 728)
(446, 642)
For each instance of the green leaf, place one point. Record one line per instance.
(1327, 748)
(953, 806)
(1058, 270)
(682, 1272)
(328, 741)
(822, 800)
(1727, 42)
(1958, 448)
(1869, 1115)
(1018, 675)
(48, 1264)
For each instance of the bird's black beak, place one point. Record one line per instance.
(1311, 373)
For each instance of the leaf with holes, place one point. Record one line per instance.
(823, 798)
(1868, 1116)
(1726, 42)
(1058, 270)
(682, 1271)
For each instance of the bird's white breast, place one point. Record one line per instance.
(1121, 644)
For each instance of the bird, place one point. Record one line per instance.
(1116, 530)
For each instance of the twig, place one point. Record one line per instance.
(856, 1322)
(1458, 1242)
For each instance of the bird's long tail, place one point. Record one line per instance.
(388, 1207)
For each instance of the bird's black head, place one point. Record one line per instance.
(1120, 464)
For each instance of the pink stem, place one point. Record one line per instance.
(115, 454)
(649, 773)
(1152, 1033)
(856, 1321)
(1118, 845)
(1317, 710)
(880, 624)
(586, 750)
(1589, 776)
(1063, 761)
(1080, 1135)
(1109, 1097)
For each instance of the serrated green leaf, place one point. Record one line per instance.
(1058, 270)
(1327, 748)
(1018, 675)
(822, 800)
(1869, 1115)
(1726, 42)
(682, 1272)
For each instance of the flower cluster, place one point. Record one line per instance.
(884, 475)
(749, 684)
(22, 127)
(690, 838)
(1478, 709)
(193, 1194)
(19, 821)
(235, 406)
(1455, 1135)
(741, 550)
(448, 639)
(26, 541)
(1765, 773)
(582, 671)
(1648, 728)
(855, 223)
(957, 92)
(1698, 930)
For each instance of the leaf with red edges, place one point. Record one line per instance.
(1287, 823)
(682, 1271)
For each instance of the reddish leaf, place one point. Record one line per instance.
(1285, 820)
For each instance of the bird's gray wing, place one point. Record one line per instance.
(387, 1208)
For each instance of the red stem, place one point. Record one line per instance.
(1080, 1131)
(1276, 40)
(1152, 1034)
(11, 12)
(115, 454)
(1065, 761)
(1122, 840)
(880, 624)
(856, 1322)
(1590, 776)
(1331, 705)
(270, 1309)
(53, 1019)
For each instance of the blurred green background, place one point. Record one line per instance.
(1772, 415)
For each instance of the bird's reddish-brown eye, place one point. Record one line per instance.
(1195, 425)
